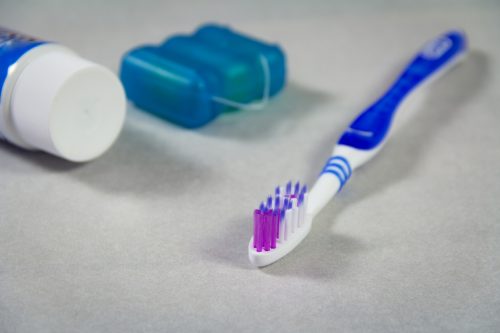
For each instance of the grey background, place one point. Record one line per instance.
(152, 236)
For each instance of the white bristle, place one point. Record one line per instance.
(306, 196)
(288, 224)
(303, 210)
(281, 238)
(301, 215)
(295, 217)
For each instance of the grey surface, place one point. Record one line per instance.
(152, 236)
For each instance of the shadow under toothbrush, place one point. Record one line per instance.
(324, 254)
(284, 111)
(235, 250)
(295, 102)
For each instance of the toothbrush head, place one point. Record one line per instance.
(279, 225)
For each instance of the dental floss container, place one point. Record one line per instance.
(190, 79)
(56, 101)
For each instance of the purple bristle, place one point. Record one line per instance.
(289, 187)
(268, 230)
(269, 202)
(257, 230)
(304, 189)
(297, 188)
(301, 199)
(277, 191)
(285, 207)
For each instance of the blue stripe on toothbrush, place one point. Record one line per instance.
(341, 171)
(339, 166)
(341, 179)
(344, 161)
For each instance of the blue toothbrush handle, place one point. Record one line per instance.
(368, 132)
(371, 127)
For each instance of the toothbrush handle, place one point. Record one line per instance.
(370, 128)
(368, 132)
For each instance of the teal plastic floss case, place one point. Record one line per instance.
(190, 79)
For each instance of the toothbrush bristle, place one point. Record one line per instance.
(301, 199)
(297, 188)
(269, 202)
(304, 189)
(272, 224)
(285, 206)
(280, 217)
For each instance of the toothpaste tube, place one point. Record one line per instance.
(53, 100)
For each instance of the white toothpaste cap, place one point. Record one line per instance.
(68, 106)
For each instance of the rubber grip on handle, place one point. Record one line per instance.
(370, 128)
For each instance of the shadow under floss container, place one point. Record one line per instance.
(190, 79)
(54, 100)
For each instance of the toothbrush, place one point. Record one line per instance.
(282, 221)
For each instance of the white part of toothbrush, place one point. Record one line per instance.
(364, 138)
(264, 258)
